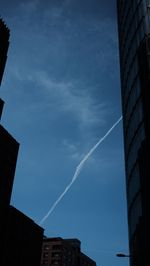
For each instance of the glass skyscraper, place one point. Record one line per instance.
(134, 45)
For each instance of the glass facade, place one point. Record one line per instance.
(134, 40)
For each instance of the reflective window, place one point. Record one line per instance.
(133, 152)
(135, 213)
(133, 184)
(132, 99)
(135, 25)
(135, 120)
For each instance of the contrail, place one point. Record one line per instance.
(78, 170)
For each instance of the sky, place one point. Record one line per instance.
(61, 89)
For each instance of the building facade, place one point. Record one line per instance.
(134, 45)
(64, 252)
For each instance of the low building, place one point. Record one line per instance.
(86, 261)
(63, 252)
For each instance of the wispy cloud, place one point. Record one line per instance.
(66, 96)
(60, 63)
(29, 6)
(73, 149)
(69, 96)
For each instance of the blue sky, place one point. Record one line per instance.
(61, 90)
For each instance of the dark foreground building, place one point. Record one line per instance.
(8, 147)
(64, 252)
(23, 240)
(134, 43)
(4, 44)
(8, 158)
(20, 238)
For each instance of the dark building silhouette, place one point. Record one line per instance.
(20, 238)
(86, 261)
(134, 44)
(1, 107)
(4, 44)
(8, 158)
(8, 147)
(23, 240)
(64, 252)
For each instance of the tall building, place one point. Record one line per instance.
(8, 146)
(64, 252)
(8, 158)
(20, 238)
(4, 44)
(134, 45)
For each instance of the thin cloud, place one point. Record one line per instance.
(69, 96)
(73, 150)
(28, 8)
(60, 98)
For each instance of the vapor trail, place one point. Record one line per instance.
(78, 170)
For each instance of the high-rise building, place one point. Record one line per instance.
(64, 252)
(134, 45)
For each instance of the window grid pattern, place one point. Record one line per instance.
(134, 26)
(133, 184)
(135, 123)
(135, 213)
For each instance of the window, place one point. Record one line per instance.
(56, 255)
(45, 262)
(55, 262)
(134, 122)
(57, 247)
(45, 255)
(135, 213)
(133, 184)
(46, 247)
(133, 152)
